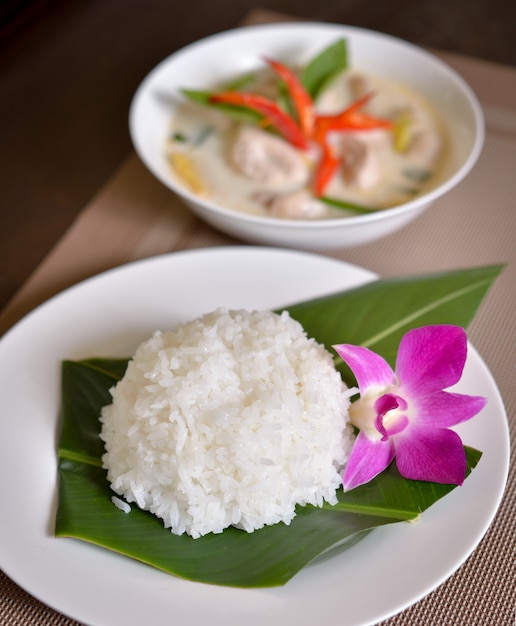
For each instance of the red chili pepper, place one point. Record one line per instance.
(325, 169)
(300, 97)
(349, 119)
(285, 125)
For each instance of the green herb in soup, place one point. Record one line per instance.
(319, 141)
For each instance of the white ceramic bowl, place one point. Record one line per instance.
(223, 56)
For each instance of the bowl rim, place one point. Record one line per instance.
(419, 202)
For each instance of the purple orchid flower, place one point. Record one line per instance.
(407, 414)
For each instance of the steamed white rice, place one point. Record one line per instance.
(231, 419)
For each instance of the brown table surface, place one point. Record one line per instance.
(131, 216)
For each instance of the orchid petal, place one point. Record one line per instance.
(431, 358)
(367, 459)
(390, 407)
(444, 409)
(369, 368)
(431, 454)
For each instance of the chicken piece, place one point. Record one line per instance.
(361, 167)
(344, 90)
(268, 159)
(424, 147)
(299, 205)
(359, 86)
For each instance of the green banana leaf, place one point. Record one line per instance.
(376, 315)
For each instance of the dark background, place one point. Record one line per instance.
(68, 70)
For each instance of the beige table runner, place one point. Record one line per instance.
(133, 217)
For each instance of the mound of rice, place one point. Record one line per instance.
(231, 419)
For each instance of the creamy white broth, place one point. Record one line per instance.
(207, 138)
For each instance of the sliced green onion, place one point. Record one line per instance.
(348, 206)
(238, 113)
(240, 82)
(407, 191)
(418, 174)
(179, 137)
(203, 135)
(193, 140)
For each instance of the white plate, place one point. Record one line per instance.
(108, 316)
